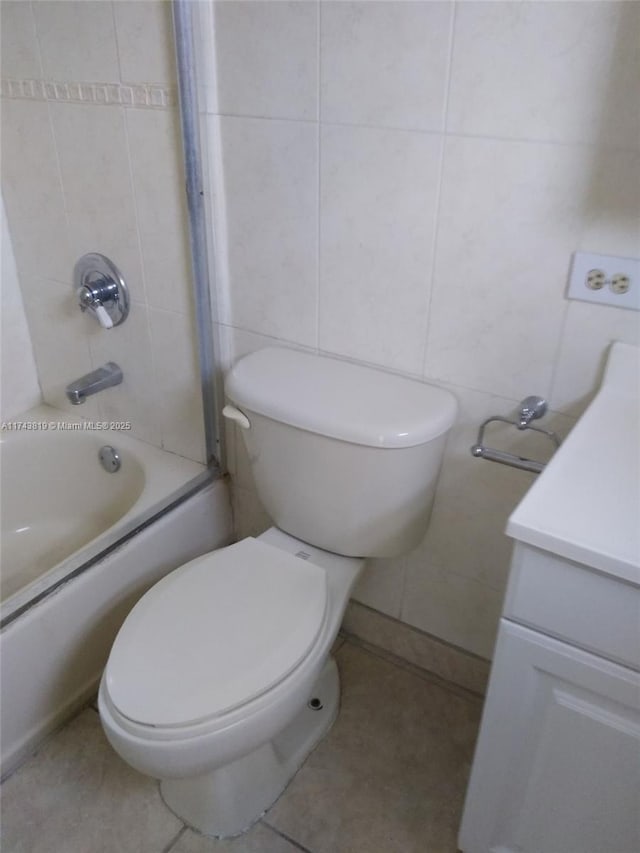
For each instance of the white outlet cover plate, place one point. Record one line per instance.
(611, 265)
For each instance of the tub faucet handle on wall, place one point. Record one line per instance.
(101, 289)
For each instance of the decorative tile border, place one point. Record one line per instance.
(137, 95)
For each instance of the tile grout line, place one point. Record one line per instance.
(412, 668)
(170, 846)
(319, 169)
(286, 837)
(454, 134)
(435, 237)
(414, 628)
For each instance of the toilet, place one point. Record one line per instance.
(221, 681)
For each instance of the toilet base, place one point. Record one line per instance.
(230, 799)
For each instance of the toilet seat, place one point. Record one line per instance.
(215, 634)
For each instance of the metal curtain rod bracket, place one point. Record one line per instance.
(531, 408)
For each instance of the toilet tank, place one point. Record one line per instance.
(344, 457)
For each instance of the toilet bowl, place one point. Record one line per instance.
(220, 681)
(255, 689)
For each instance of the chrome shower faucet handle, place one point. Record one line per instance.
(101, 289)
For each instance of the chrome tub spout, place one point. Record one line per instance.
(91, 383)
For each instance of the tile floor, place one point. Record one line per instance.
(389, 778)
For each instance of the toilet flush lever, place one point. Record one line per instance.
(236, 415)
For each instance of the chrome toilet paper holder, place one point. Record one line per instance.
(531, 408)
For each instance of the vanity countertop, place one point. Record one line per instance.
(585, 506)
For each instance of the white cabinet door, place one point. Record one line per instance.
(557, 765)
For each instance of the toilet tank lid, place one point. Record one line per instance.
(339, 399)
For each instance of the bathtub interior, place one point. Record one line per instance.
(57, 497)
(60, 507)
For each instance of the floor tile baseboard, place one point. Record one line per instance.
(422, 650)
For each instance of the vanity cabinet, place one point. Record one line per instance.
(557, 763)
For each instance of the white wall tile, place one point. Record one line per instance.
(381, 585)
(136, 399)
(497, 323)
(510, 217)
(158, 179)
(588, 333)
(249, 516)
(205, 56)
(567, 72)
(611, 209)
(378, 201)
(19, 51)
(385, 63)
(475, 497)
(60, 338)
(67, 179)
(144, 32)
(32, 190)
(216, 213)
(242, 343)
(267, 59)
(177, 380)
(270, 173)
(94, 162)
(77, 40)
(454, 608)
(238, 343)
(19, 386)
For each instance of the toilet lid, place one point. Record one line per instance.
(216, 633)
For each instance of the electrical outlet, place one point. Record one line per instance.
(596, 279)
(605, 279)
(620, 283)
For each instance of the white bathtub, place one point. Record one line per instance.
(68, 582)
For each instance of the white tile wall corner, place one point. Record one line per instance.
(270, 173)
(267, 59)
(19, 386)
(452, 607)
(385, 64)
(60, 337)
(19, 53)
(378, 207)
(509, 219)
(144, 32)
(94, 163)
(249, 517)
(588, 333)
(77, 40)
(32, 190)
(177, 382)
(562, 72)
(158, 180)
